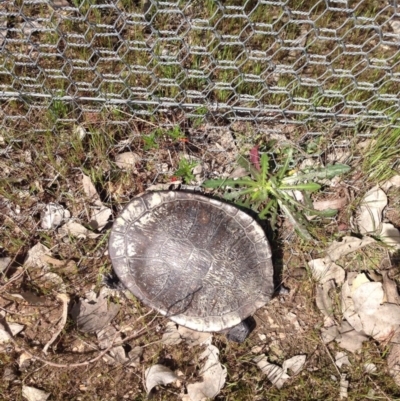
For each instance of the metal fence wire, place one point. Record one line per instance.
(293, 60)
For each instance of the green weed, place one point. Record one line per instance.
(268, 192)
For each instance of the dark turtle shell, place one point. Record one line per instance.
(203, 263)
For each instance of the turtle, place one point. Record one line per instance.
(203, 263)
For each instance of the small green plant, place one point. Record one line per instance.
(266, 191)
(176, 133)
(185, 170)
(150, 141)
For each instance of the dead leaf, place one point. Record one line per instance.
(134, 356)
(4, 262)
(192, 337)
(323, 270)
(390, 289)
(107, 337)
(275, 373)
(126, 160)
(349, 339)
(341, 359)
(213, 373)
(76, 230)
(344, 385)
(324, 302)
(390, 235)
(370, 211)
(158, 375)
(90, 190)
(64, 298)
(35, 257)
(93, 315)
(171, 335)
(34, 394)
(367, 297)
(348, 245)
(329, 334)
(295, 364)
(393, 362)
(99, 217)
(392, 182)
(53, 215)
(24, 361)
(337, 203)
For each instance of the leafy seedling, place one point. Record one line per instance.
(267, 192)
(185, 170)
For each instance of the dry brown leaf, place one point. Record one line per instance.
(157, 375)
(99, 217)
(90, 190)
(349, 339)
(35, 257)
(94, 314)
(337, 203)
(76, 230)
(370, 211)
(390, 235)
(390, 289)
(213, 373)
(348, 245)
(107, 337)
(294, 364)
(323, 270)
(393, 362)
(392, 182)
(275, 373)
(329, 334)
(341, 359)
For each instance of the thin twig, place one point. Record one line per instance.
(65, 300)
(331, 357)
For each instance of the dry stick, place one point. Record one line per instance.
(330, 356)
(74, 365)
(378, 388)
(65, 300)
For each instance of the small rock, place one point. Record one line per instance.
(126, 160)
(198, 169)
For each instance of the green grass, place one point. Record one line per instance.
(381, 157)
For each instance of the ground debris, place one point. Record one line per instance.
(53, 215)
(94, 313)
(157, 375)
(34, 394)
(213, 373)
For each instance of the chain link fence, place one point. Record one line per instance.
(264, 62)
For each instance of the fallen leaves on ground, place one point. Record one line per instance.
(95, 312)
(279, 375)
(213, 373)
(157, 375)
(53, 215)
(100, 214)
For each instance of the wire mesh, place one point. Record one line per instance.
(259, 61)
